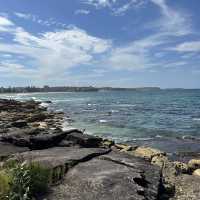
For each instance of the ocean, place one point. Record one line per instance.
(167, 119)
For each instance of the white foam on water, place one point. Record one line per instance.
(103, 121)
(196, 119)
(44, 105)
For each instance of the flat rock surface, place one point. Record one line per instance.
(110, 177)
(8, 149)
(58, 156)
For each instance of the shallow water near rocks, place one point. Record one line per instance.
(153, 118)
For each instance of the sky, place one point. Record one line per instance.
(118, 43)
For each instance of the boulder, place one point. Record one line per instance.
(114, 176)
(159, 160)
(147, 152)
(196, 172)
(194, 164)
(84, 140)
(50, 140)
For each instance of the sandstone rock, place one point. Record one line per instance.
(196, 172)
(147, 152)
(187, 188)
(159, 160)
(115, 176)
(123, 147)
(181, 167)
(108, 143)
(194, 164)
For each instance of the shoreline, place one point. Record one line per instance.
(31, 131)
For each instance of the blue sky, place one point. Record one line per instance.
(120, 43)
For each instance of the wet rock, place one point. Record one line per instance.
(112, 177)
(147, 152)
(84, 140)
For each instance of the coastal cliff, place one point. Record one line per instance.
(82, 167)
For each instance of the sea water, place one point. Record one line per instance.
(128, 116)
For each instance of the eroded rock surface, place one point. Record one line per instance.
(114, 176)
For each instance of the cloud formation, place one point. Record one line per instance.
(51, 53)
(82, 12)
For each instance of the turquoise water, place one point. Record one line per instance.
(128, 116)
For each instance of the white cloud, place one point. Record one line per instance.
(36, 19)
(117, 7)
(172, 22)
(5, 22)
(193, 46)
(82, 12)
(52, 53)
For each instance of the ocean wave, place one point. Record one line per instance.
(124, 105)
(44, 105)
(196, 119)
(103, 121)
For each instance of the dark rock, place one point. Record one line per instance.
(19, 124)
(84, 139)
(49, 140)
(110, 177)
(37, 117)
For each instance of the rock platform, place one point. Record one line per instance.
(86, 167)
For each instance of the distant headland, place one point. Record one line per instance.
(46, 88)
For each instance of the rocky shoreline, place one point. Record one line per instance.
(85, 167)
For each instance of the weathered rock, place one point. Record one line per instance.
(49, 140)
(123, 147)
(147, 152)
(181, 167)
(170, 172)
(9, 149)
(84, 139)
(108, 143)
(187, 188)
(196, 172)
(37, 117)
(159, 160)
(61, 156)
(110, 177)
(194, 164)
